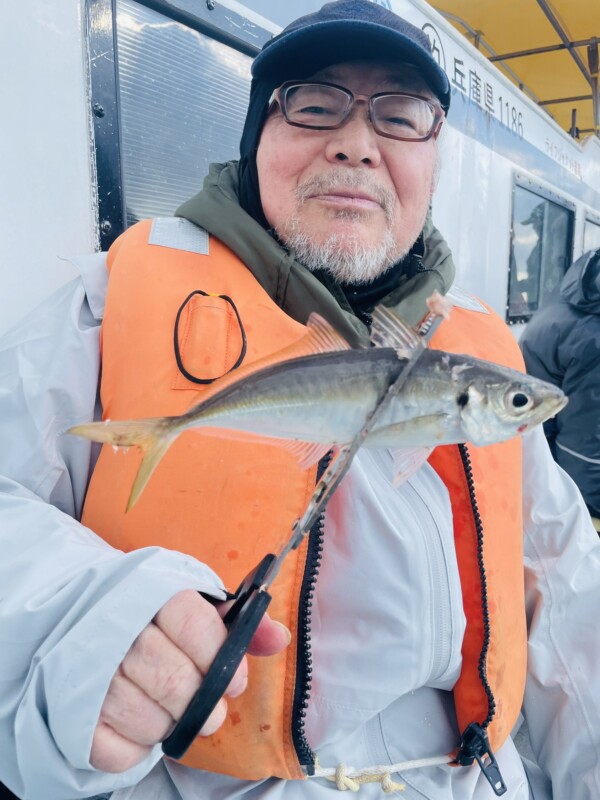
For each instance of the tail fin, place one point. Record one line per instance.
(152, 436)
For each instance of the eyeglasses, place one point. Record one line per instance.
(326, 106)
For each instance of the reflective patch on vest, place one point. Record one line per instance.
(180, 234)
(462, 299)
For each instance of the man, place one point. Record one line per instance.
(561, 345)
(405, 606)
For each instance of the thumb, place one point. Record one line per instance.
(270, 638)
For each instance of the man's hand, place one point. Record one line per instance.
(161, 673)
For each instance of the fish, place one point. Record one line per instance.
(317, 394)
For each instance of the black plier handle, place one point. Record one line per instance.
(250, 603)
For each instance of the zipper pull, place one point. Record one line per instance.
(475, 746)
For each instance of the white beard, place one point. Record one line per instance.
(343, 257)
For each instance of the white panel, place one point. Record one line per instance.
(183, 101)
(471, 207)
(46, 201)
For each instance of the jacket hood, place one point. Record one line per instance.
(581, 285)
(293, 287)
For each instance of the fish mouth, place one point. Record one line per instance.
(549, 407)
(555, 402)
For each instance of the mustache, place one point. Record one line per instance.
(340, 178)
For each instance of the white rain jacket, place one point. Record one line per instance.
(383, 662)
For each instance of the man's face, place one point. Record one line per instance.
(351, 194)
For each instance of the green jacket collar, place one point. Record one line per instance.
(296, 290)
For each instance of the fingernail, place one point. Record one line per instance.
(286, 630)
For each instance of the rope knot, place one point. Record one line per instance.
(343, 782)
(389, 786)
(347, 779)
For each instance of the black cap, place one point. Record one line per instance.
(347, 30)
(344, 30)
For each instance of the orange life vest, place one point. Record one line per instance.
(229, 502)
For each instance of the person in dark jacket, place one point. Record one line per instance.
(561, 344)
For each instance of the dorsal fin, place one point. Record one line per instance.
(389, 330)
(320, 337)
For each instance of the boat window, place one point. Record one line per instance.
(182, 102)
(541, 250)
(591, 235)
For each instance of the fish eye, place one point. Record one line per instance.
(517, 400)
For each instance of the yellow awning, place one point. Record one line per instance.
(563, 79)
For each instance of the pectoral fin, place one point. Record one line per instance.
(407, 460)
(411, 442)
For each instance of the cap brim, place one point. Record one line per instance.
(301, 53)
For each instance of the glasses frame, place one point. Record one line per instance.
(280, 97)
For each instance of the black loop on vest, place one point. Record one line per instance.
(180, 365)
